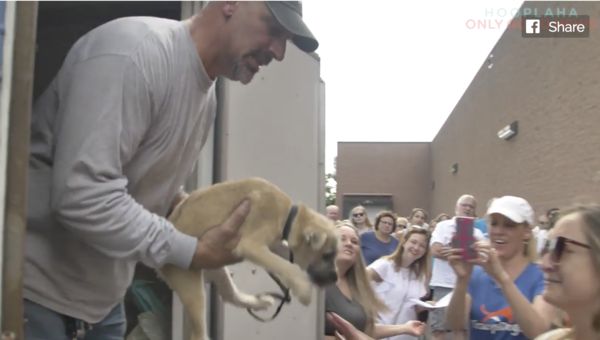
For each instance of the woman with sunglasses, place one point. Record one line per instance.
(571, 265)
(501, 298)
(359, 219)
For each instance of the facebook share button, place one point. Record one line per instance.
(532, 26)
(573, 26)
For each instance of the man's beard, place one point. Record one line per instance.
(241, 72)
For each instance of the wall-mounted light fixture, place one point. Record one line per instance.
(509, 131)
(454, 168)
(489, 61)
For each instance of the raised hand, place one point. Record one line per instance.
(461, 268)
(490, 262)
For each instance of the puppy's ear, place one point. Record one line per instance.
(314, 239)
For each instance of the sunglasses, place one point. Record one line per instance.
(556, 247)
(358, 214)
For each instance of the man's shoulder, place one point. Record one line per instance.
(445, 226)
(124, 36)
(141, 25)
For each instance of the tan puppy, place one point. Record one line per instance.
(311, 239)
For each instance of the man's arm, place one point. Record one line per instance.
(179, 197)
(105, 111)
(437, 241)
(436, 251)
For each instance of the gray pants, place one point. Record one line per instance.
(45, 324)
(437, 317)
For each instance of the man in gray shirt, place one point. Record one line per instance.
(113, 139)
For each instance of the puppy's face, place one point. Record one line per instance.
(316, 248)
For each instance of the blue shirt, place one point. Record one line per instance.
(372, 248)
(481, 224)
(491, 318)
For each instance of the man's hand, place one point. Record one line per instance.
(436, 251)
(215, 247)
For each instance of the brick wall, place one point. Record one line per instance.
(551, 86)
(400, 169)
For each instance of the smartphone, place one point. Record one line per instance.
(464, 238)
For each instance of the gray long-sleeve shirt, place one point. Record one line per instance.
(113, 138)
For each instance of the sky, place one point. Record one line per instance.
(394, 70)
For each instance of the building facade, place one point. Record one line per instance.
(548, 86)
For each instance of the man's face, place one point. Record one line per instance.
(333, 213)
(543, 222)
(466, 207)
(256, 39)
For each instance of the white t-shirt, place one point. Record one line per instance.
(396, 289)
(540, 238)
(442, 273)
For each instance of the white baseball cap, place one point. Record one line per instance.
(515, 208)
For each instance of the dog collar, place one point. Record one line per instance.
(290, 219)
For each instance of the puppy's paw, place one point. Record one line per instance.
(255, 302)
(263, 301)
(303, 291)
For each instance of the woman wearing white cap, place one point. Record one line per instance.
(501, 298)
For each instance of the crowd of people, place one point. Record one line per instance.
(528, 277)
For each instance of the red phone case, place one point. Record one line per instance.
(464, 238)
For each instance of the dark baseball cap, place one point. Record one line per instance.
(289, 15)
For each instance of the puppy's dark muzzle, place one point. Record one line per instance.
(322, 277)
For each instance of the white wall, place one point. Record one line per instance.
(5, 92)
(274, 128)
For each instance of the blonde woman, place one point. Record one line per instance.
(352, 297)
(401, 277)
(571, 265)
(501, 298)
(360, 219)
